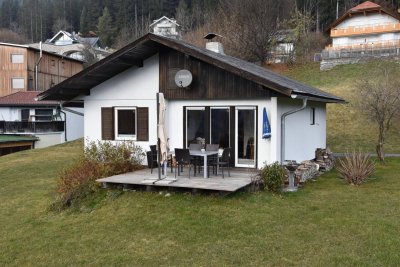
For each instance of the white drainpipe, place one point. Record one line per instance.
(37, 67)
(283, 117)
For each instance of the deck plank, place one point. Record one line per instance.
(237, 180)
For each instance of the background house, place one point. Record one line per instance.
(166, 27)
(365, 31)
(74, 45)
(18, 65)
(223, 104)
(21, 114)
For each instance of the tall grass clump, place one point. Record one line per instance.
(100, 159)
(356, 167)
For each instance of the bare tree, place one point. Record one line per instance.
(251, 27)
(306, 42)
(380, 99)
(8, 36)
(60, 24)
(130, 33)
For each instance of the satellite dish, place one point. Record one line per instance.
(183, 78)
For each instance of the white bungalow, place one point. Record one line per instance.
(222, 105)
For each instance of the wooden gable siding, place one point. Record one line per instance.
(52, 69)
(11, 70)
(209, 82)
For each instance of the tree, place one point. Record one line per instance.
(105, 28)
(379, 95)
(61, 24)
(250, 28)
(8, 36)
(84, 24)
(183, 17)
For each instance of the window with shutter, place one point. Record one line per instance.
(143, 124)
(125, 123)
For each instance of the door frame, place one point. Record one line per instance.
(237, 164)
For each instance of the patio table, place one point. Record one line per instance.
(204, 154)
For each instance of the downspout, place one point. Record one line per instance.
(65, 125)
(283, 117)
(37, 67)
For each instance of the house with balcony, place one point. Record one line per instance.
(365, 31)
(75, 45)
(44, 121)
(24, 68)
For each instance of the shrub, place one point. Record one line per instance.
(273, 176)
(118, 158)
(356, 167)
(99, 160)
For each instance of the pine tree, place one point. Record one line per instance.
(105, 28)
(83, 23)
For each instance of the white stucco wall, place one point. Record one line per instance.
(368, 20)
(9, 114)
(301, 137)
(74, 124)
(175, 122)
(135, 87)
(49, 139)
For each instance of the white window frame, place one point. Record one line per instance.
(18, 78)
(125, 136)
(254, 109)
(15, 56)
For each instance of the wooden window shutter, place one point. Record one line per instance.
(142, 124)
(107, 124)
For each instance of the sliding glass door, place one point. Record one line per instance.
(195, 125)
(219, 126)
(245, 147)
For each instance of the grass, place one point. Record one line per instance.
(347, 128)
(327, 223)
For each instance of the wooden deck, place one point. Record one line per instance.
(239, 179)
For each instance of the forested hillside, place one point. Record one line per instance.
(37, 20)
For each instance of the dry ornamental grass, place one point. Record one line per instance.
(356, 167)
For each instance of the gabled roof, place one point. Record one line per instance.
(150, 44)
(61, 33)
(34, 47)
(162, 18)
(24, 98)
(363, 8)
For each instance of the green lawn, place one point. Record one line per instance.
(327, 223)
(347, 127)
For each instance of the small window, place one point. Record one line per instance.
(25, 114)
(312, 116)
(18, 83)
(17, 58)
(43, 114)
(53, 63)
(62, 64)
(30, 83)
(125, 123)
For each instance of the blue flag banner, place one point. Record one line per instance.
(266, 126)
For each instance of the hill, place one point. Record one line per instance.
(327, 223)
(347, 127)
